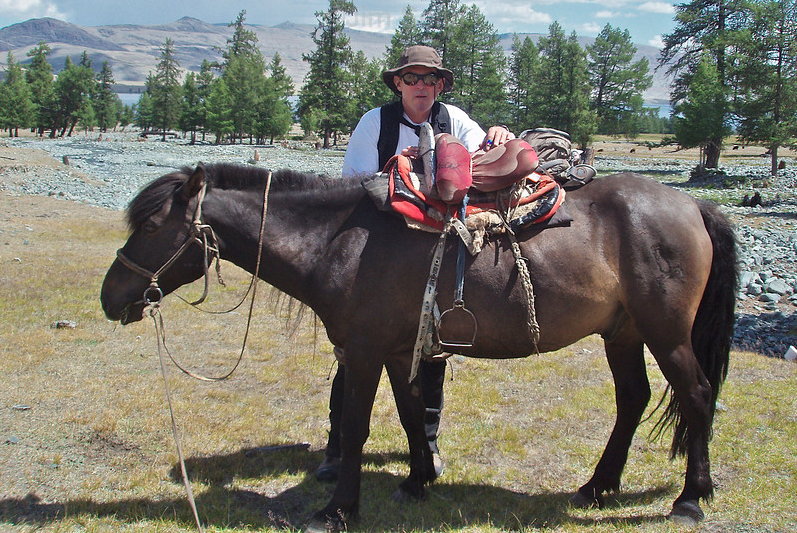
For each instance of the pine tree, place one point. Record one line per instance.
(274, 111)
(204, 82)
(166, 89)
(105, 99)
(408, 33)
(701, 115)
(192, 110)
(326, 85)
(127, 115)
(367, 92)
(244, 72)
(16, 100)
(617, 83)
(703, 26)
(767, 78)
(219, 109)
(475, 56)
(144, 112)
(524, 71)
(71, 96)
(564, 88)
(283, 84)
(440, 19)
(40, 79)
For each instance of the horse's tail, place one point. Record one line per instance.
(712, 331)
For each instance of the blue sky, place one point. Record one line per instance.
(646, 20)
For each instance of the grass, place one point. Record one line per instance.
(85, 441)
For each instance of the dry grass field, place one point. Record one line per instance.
(86, 444)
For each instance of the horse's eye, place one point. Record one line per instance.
(150, 227)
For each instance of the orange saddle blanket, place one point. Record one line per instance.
(541, 198)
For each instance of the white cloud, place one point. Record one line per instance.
(376, 21)
(664, 8)
(508, 17)
(30, 9)
(589, 28)
(607, 14)
(656, 41)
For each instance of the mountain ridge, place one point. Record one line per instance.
(133, 50)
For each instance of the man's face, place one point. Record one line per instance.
(418, 96)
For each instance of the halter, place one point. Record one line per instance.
(201, 234)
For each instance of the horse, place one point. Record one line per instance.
(641, 264)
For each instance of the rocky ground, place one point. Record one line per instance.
(108, 170)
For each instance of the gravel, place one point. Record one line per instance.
(108, 173)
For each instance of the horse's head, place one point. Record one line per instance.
(160, 255)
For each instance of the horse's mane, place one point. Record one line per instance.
(223, 176)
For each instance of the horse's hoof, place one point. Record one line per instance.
(402, 496)
(580, 501)
(316, 526)
(687, 513)
(323, 523)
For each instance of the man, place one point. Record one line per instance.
(382, 133)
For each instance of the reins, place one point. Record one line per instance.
(152, 308)
(201, 234)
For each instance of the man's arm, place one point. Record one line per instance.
(362, 156)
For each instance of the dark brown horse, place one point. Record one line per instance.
(641, 264)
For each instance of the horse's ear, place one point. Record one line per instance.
(191, 188)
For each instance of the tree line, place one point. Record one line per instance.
(241, 97)
(77, 97)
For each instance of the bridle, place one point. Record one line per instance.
(199, 233)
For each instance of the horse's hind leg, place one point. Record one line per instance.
(625, 353)
(692, 392)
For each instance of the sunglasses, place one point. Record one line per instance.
(411, 78)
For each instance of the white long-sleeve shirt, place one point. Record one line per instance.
(362, 156)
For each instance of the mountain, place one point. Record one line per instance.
(133, 51)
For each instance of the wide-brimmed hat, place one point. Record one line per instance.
(419, 56)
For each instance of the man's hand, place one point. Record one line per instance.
(496, 135)
(411, 151)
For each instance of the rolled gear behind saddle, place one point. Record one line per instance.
(557, 158)
(553, 147)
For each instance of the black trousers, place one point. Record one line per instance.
(431, 375)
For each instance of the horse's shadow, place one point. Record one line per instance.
(227, 503)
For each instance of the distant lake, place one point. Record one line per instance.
(129, 98)
(664, 109)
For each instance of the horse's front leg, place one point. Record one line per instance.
(363, 370)
(632, 393)
(409, 401)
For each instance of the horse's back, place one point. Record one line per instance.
(635, 248)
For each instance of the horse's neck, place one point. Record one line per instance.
(298, 230)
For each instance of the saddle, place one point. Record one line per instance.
(533, 200)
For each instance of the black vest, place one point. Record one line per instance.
(391, 115)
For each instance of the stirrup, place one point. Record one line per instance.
(457, 327)
(426, 149)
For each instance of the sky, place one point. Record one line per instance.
(646, 20)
